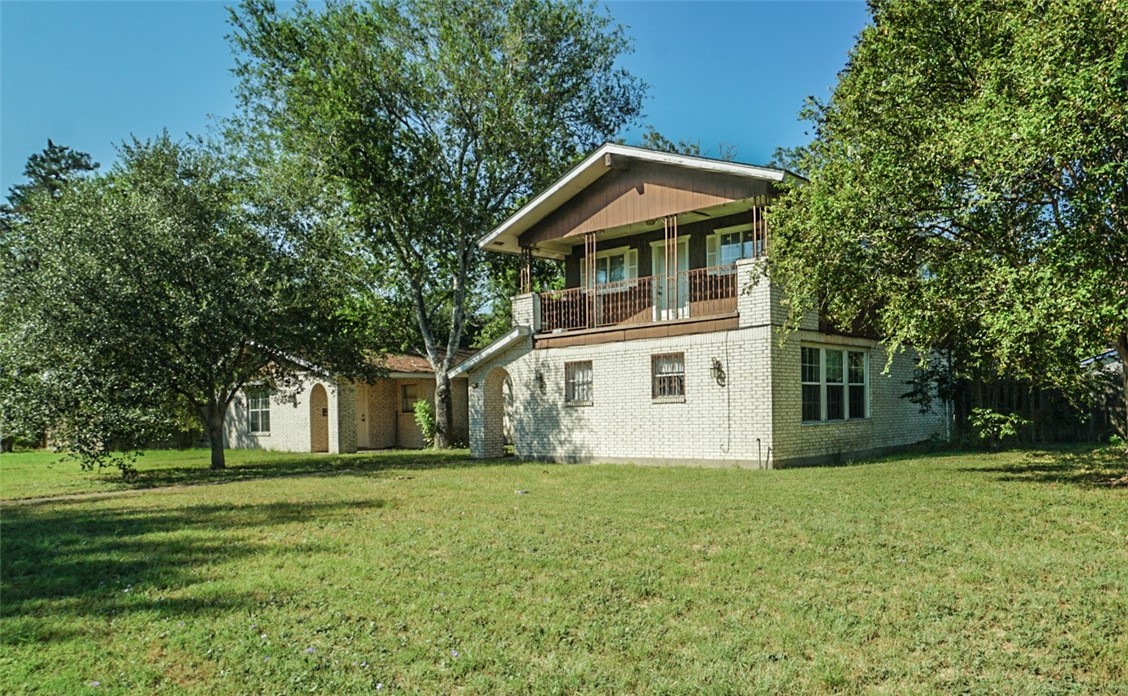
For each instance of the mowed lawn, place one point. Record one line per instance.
(423, 573)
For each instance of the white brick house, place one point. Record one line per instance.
(339, 416)
(636, 364)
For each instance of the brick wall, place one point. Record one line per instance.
(343, 440)
(290, 423)
(753, 420)
(526, 310)
(383, 408)
(289, 420)
(893, 422)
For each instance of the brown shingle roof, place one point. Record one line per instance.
(402, 362)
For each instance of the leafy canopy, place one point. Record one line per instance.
(168, 279)
(431, 120)
(969, 184)
(49, 171)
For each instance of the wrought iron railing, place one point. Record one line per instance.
(695, 293)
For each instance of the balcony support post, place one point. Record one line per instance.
(590, 265)
(670, 258)
(526, 270)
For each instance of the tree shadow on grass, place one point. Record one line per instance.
(75, 561)
(1089, 468)
(271, 466)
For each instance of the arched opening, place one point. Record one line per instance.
(318, 419)
(494, 409)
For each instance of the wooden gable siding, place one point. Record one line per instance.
(644, 191)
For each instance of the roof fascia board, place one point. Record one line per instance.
(516, 334)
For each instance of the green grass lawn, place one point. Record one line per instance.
(423, 573)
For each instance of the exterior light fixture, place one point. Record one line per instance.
(718, 372)
(538, 381)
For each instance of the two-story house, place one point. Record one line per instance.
(665, 344)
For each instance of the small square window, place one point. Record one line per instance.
(667, 372)
(577, 382)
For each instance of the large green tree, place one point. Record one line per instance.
(432, 120)
(969, 185)
(47, 173)
(169, 278)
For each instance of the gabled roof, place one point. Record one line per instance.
(504, 236)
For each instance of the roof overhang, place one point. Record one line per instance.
(504, 238)
(515, 335)
(410, 375)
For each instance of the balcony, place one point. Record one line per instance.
(700, 292)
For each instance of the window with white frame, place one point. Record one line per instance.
(667, 377)
(258, 410)
(577, 382)
(812, 384)
(730, 244)
(834, 384)
(612, 266)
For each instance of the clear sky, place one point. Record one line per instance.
(90, 74)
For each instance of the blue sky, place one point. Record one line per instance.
(90, 74)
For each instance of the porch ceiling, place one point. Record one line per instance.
(647, 186)
(564, 245)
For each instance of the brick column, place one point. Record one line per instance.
(762, 302)
(526, 311)
(346, 418)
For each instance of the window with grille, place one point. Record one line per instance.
(667, 372)
(258, 410)
(577, 382)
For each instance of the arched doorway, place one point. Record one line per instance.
(494, 408)
(318, 419)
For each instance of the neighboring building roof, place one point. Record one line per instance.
(504, 237)
(407, 364)
(1107, 357)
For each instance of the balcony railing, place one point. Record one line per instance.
(696, 293)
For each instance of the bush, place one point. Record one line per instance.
(425, 418)
(995, 427)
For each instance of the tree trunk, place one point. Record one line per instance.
(212, 417)
(444, 423)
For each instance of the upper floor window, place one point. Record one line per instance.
(834, 384)
(258, 409)
(577, 382)
(612, 266)
(667, 377)
(730, 244)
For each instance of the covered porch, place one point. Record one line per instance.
(644, 238)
